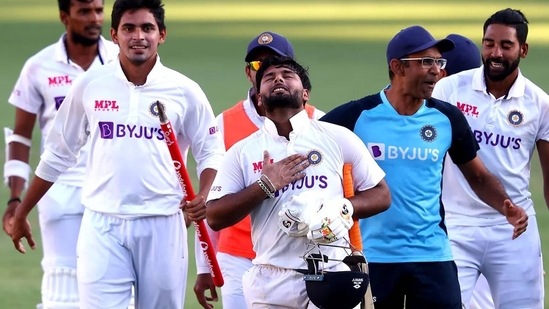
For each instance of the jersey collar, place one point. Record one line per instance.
(299, 121)
(516, 91)
(62, 56)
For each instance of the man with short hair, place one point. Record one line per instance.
(133, 232)
(292, 156)
(42, 85)
(509, 116)
(409, 134)
(234, 244)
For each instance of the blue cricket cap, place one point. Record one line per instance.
(464, 56)
(270, 40)
(414, 39)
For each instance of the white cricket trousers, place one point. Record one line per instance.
(60, 214)
(115, 253)
(233, 269)
(513, 268)
(269, 287)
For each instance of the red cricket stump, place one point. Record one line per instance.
(186, 185)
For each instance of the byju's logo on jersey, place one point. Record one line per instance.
(106, 106)
(381, 152)
(58, 101)
(62, 80)
(428, 133)
(515, 118)
(377, 150)
(468, 109)
(110, 130)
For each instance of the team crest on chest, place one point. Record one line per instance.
(153, 108)
(428, 133)
(314, 157)
(515, 118)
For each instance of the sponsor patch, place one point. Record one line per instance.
(515, 118)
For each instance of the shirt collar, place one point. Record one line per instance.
(62, 56)
(516, 91)
(299, 121)
(154, 74)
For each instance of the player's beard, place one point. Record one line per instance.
(507, 68)
(83, 40)
(291, 100)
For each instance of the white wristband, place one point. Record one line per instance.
(16, 168)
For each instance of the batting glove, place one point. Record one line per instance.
(331, 222)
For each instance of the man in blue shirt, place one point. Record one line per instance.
(409, 134)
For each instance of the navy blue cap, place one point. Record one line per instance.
(414, 39)
(270, 40)
(464, 56)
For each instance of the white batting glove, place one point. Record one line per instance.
(332, 221)
(293, 217)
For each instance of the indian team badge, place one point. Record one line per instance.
(515, 117)
(265, 38)
(314, 157)
(153, 108)
(428, 133)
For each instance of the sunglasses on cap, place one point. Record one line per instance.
(254, 65)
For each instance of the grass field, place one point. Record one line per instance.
(343, 43)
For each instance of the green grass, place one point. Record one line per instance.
(342, 42)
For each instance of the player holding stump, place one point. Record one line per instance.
(132, 231)
(42, 85)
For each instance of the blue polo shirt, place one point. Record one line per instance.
(411, 150)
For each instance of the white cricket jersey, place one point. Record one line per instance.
(254, 117)
(43, 84)
(129, 170)
(506, 130)
(328, 146)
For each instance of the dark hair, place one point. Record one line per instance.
(512, 18)
(121, 6)
(287, 62)
(65, 5)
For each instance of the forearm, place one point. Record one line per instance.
(231, 208)
(206, 179)
(36, 191)
(372, 201)
(490, 191)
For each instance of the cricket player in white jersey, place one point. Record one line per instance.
(42, 85)
(234, 244)
(132, 232)
(509, 116)
(266, 173)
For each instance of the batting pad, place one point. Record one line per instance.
(60, 289)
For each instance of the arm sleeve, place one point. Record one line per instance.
(25, 94)
(201, 128)
(66, 135)
(464, 145)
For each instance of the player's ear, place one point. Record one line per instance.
(397, 66)
(523, 50)
(443, 74)
(259, 100)
(248, 73)
(114, 36)
(163, 34)
(305, 95)
(64, 18)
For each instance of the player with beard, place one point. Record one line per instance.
(290, 157)
(509, 116)
(42, 85)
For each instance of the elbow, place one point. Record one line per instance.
(212, 218)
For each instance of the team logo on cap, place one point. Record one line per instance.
(264, 39)
(153, 108)
(314, 157)
(428, 133)
(515, 117)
